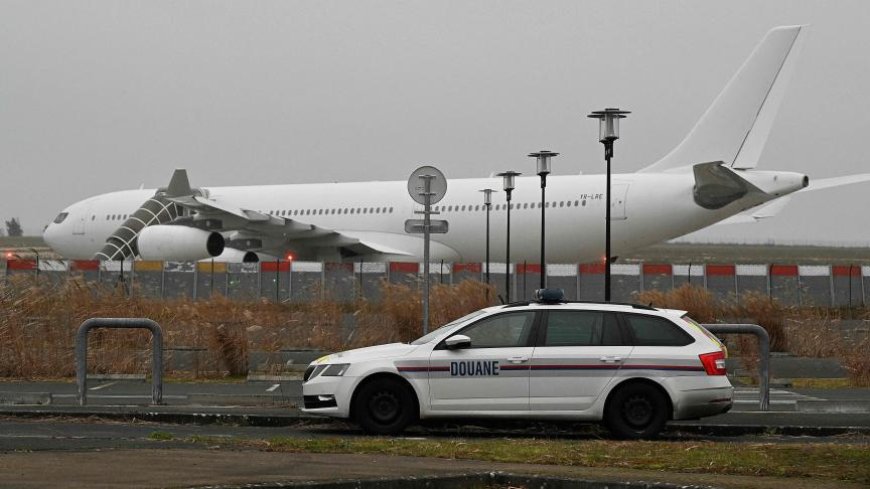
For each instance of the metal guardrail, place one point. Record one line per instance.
(763, 354)
(120, 323)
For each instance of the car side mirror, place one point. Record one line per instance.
(458, 341)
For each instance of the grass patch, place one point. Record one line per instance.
(160, 436)
(848, 462)
(810, 383)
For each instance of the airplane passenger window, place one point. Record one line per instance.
(365, 211)
(463, 207)
(60, 217)
(391, 210)
(576, 203)
(562, 204)
(352, 210)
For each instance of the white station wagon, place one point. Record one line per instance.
(632, 367)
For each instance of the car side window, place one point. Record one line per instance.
(655, 331)
(581, 328)
(501, 331)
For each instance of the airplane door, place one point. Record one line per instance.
(79, 223)
(618, 196)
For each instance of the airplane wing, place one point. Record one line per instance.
(252, 230)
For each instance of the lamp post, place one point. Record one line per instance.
(543, 158)
(487, 203)
(608, 132)
(509, 181)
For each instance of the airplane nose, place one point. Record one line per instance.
(50, 236)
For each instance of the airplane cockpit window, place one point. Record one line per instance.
(60, 217)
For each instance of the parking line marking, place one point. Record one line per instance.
(272, 389)
(103, 386)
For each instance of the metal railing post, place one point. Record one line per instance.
(120, 323)
(763, 354)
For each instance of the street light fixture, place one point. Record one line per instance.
(487, 203)
(509, 181)
(543, 158)
(608, 132)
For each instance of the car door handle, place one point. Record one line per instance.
(518, 359)
(611, 359)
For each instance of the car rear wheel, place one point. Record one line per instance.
(384, 407)
(636, 411)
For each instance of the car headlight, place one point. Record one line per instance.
(335, 370)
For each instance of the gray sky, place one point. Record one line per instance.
(102, 96)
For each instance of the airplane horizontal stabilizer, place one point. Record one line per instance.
(760, 214)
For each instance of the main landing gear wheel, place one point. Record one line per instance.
(636, 411)
(384, 407)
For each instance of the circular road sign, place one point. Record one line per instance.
(437, 187)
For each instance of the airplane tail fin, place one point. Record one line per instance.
(735, 127)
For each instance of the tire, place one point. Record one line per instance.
(636, 411)
(384, 407)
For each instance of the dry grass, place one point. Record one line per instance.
(38, 325)
(811, 332)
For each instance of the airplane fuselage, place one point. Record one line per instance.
(645, 208)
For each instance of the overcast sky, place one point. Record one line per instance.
(102, 96)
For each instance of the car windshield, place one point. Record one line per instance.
(438, 332)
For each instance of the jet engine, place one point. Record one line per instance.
(178, 243)
(233, 255)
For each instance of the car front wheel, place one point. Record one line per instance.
(636, 411)
(384, 407)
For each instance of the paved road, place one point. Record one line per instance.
(62, 444)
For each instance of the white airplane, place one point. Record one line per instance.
(710, 177)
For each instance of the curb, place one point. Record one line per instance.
(288, 420)
(462, 481)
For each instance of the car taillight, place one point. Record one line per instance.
(714, 363)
